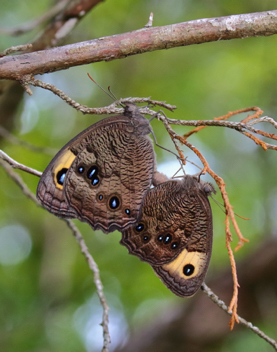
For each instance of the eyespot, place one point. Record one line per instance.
(174, 245)
(99, 197)
(167, 239)
(80, 169)
(114, 203)
(61, 175)
(92, 172)
(188, 270)
(127, 211)
(95, 181)
(139, 227)
(145, 238)
(92, 175)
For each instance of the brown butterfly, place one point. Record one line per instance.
(102, 175)
(174, 233)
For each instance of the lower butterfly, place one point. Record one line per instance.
(174, 233)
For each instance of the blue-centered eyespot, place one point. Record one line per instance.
(139, 227)
(61, 175)
(188, 270)
(114, 202)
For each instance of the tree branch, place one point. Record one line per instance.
(140, 41)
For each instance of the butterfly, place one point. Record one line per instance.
(174, 233)
(102, 175)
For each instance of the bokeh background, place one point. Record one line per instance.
(47, 296)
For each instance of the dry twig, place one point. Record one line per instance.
(111, 109)
(99, 286)
(16, 49)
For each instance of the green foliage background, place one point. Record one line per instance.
(48, 299)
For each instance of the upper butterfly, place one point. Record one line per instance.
(102, 175)
(174, 233)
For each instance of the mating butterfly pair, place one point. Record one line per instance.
(104, 175)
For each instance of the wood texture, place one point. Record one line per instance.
(140, 41)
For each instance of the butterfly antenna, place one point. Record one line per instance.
(109, 93)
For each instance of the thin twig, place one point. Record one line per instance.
(17, 165)
(150, 21)
(241, 126)
(257, 113)
(18, 180)
(99, 287)
(92, 264)
(16, 49)
(242, 321)
(111, 109)
(264, 119)
(238, 126)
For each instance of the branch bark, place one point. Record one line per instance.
(140, 41)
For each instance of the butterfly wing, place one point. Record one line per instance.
(107, 181)
(174, 234)
(50, 190)
(101, 175)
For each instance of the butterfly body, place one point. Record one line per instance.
(102, 175)
(174, 233)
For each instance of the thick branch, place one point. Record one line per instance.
(140, 41)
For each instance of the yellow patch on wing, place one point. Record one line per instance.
(64, 161)
(176, 267)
